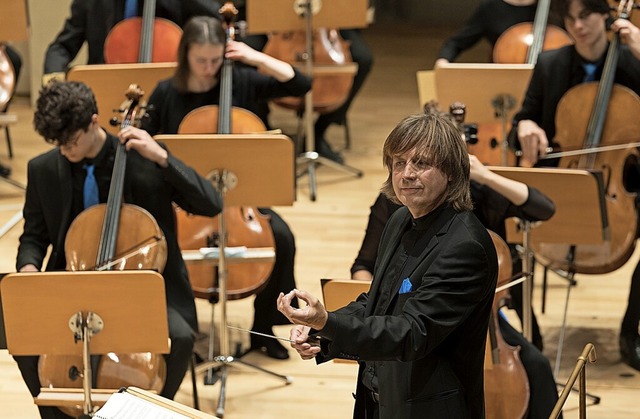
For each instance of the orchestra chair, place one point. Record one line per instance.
(337, 293)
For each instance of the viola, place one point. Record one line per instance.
(595, 115)
(112, 236)
(522, 43)
(331, 52)
(506, 385)
(143, 40)
(245, 226)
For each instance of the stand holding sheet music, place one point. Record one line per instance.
(580, 218)
(490, 93)
(250, 170)
(84, 313)
(309, 15)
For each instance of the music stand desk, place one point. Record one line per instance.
(332, 14)
(477, 85)
(263, 164)
(250, 170)
(39, 308)
(109, 83)
(580, 218)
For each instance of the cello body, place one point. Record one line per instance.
(123, 42)
(506, 385)
(571, 125)
(143, 40)
(513, 45)
(329, 50)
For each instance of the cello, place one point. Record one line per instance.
(506, 385)
(590, 116)
(245, 225)
(156, 39)
(112, 236)
(330, 51)
(522, 43)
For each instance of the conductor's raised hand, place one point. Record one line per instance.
(140, 140)
(313, 314)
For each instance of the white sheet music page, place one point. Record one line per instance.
(127, 406)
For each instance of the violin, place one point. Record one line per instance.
(7, 77)
(522, 43)
(112, 236)
(329, 51)
(506, 385)
(592, 116)
(143, 40)
(245, 225)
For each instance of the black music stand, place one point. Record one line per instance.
(490, 93)
(254, 170)
(84, 313)
(308, 15)
(580, 219)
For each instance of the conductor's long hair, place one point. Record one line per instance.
(435, 137)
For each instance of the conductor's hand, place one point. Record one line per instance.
(533, 141)
(140, 140)
(313, 315)
(306, 348)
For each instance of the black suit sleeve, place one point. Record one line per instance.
(69, 41)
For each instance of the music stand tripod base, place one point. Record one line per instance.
(310, 159)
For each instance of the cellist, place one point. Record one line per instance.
(196, 83)
(558, 71)
(488, 22)
(67, 117)
(91, 20)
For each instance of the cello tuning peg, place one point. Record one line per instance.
(241, 26)
(114, 122)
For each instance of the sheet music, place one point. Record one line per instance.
(126, 406)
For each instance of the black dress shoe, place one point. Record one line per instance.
(5, 171)
(630, 350)
(270, 347)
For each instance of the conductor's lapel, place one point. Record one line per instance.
(392, 237)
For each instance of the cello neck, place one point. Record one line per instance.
(146, 37)
(229, 13)
(605, 87)
(109, 235)
(539, 29)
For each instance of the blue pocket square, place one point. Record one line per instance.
(406, 286)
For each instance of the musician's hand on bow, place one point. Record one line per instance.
(533, 141)
(313, 314)
(140, 140)
(306, 348)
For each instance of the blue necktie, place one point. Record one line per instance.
(589, 72)
(130, 8)
(90, 190)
